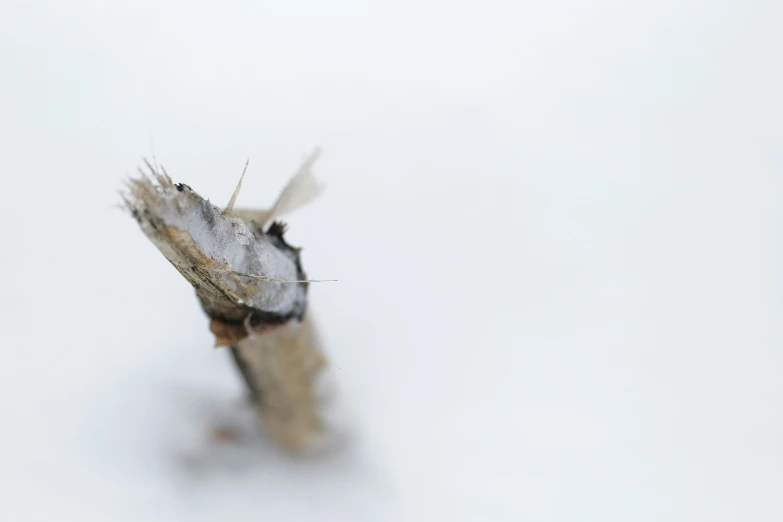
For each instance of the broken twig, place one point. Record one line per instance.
(252, 286)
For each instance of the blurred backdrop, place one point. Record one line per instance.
(556, 228)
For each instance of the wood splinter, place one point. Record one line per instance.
(252, 286)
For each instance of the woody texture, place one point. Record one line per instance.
(251, 284)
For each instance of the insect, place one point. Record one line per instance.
(251, 284)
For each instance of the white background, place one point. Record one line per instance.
(556, 228)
